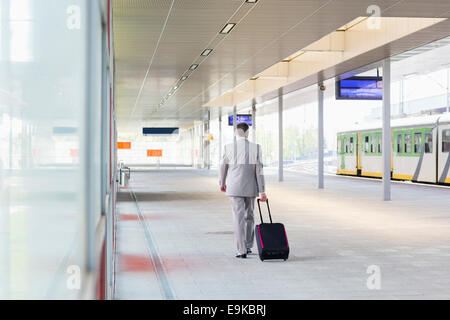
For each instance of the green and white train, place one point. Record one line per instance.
(420, 150)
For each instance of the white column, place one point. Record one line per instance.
(320, 135)
(254, 120)
(448, 89)
(386, 129)
(220, 136)
(208, 142)
(280, 135)
(234, 123)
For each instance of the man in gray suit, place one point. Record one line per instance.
(242, 178)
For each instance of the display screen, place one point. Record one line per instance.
(360, 88)
(247, 118)
(159, 131)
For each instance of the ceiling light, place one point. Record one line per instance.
(206, 52)
(170, 93)
(183, 78)
(193, 67)
(175, 88)
(251, 1)
(228, 27)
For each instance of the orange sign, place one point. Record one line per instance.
(123, 145)
(154, 153)
(74, 152)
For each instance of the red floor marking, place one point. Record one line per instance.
(135, 263)
(128, 217)
(135, 217)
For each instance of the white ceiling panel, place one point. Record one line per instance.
(157, 40)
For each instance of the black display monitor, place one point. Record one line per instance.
(360, 88)
(159, 131)
(247, 118)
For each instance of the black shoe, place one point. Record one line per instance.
(249, 250)
(241, 256)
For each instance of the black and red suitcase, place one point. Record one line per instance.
(271, 238)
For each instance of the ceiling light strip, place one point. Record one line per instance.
(151, 62)
(235, 12)
(227, 28)
(257, 52)
(206, 52)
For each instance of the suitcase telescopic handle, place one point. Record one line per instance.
(268, 209)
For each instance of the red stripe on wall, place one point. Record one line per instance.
(101, 277)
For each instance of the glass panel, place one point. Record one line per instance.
(373, 142)
(407, 142)
(446, 140)
(379, 143)
(417, 142)
(351, 144)
(43, 121)
(399, 143)
(428, 142)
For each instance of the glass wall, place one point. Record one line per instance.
(50, 145)
(158, 151)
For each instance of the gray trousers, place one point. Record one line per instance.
(243, 222)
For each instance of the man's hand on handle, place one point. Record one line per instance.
(263, 197)
(223, 188)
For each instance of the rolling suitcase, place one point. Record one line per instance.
(271, 238)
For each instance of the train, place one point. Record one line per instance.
(420, 150)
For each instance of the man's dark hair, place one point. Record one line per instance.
(243, 126)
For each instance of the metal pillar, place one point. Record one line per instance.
(208, 142)
(254, 120)
(320, 90)
(220, 136)
(448, 89)
(280, 135)
(234, 121)
(386, 129)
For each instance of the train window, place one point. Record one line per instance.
(428, 142)
(351, 144)
(373, 142)
(346, 145)
(399, 143)
(446, 140)
(379, 143)
(339, 146)
(407, 143)
(417, 142)
(366, 144)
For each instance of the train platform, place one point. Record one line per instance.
(174, 240)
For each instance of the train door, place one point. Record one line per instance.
(358, 153)
(443, 147)
(425, 170)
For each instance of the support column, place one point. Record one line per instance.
(448, 89)
(386, 129)
(254, 120)
(320, 90)
(220, 136)
(280, 135)
(208, 142)
(234, 121)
